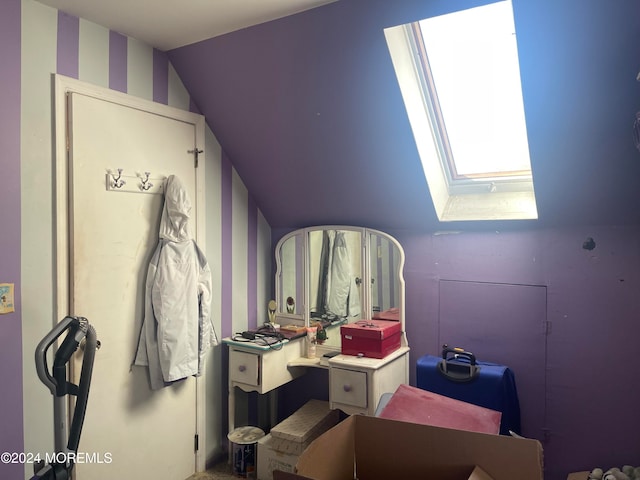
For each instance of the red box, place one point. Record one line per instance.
(371, 338)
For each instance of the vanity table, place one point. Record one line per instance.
(341, 275)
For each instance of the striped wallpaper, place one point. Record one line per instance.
(45, 41)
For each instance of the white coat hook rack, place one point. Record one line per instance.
(140, 183)
(117, 182)
(145, 184)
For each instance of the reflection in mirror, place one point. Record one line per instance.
(385, 289)
(335, 273)
(271, 311)
(338, 274)
(291, 278)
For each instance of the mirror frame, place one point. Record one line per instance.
(304, 318)
(295, 318)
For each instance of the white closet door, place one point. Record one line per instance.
(113, 233)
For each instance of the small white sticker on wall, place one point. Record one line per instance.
(6, 298)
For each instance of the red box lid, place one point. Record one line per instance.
(414, 405)
(378, 329)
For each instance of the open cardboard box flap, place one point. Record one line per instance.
(381, 448)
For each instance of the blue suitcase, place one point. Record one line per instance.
(457, 374)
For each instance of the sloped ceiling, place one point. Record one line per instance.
(308, 110)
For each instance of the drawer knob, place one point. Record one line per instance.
(346, 388)
(242, 368)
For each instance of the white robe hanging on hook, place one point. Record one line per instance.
(177, 329)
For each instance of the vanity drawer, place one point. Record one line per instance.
(348, 387)
(244, 367)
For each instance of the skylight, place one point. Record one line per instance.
(460, 81)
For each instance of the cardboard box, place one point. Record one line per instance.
(371, 338)
(382, 448)
(476, 474)
(296, 432)
(287, 440)
(270, 459)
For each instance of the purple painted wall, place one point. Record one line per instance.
(11, 432)
(593, 310)
(160, 77)
(593, 306)
(117, 61)
(68, 45)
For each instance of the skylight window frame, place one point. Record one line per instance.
(490, 196)
(519, 179)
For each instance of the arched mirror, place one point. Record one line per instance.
(337, 275)
(290, 290)
(387, 286)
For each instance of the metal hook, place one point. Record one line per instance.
(145, 184)
(118, 182)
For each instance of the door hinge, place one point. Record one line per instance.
(547, 328)
(196, 441)
(195, 152)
